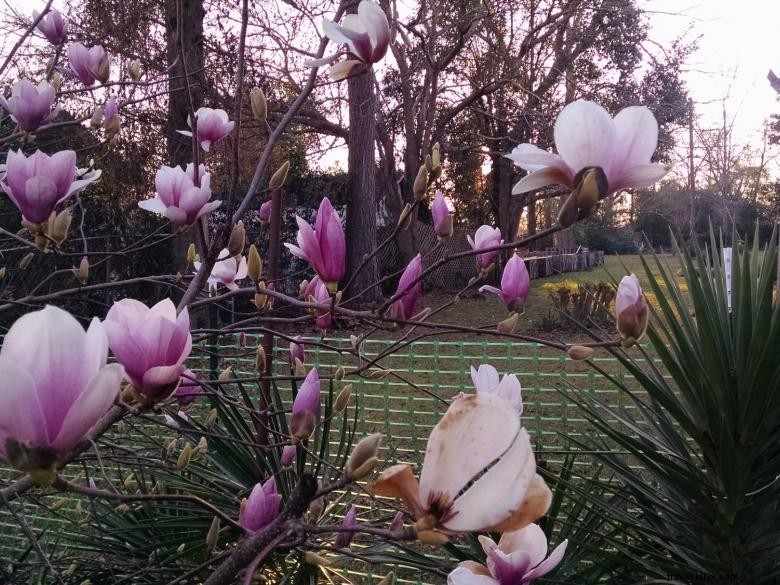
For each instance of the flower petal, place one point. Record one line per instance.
(542, 178)
(638, 177)
(532, 158)
(636, 138)
(549, 563)
(21, 415)
(463, 575)
(585, 136)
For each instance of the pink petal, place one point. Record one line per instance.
(636, 138)
(462, 576)
(532, 158)
(549, 563)
(530, 539)
(21, 415)
(638, 177)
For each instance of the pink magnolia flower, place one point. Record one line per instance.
(366, 35)
(288, 455)
(213, 126)
(344, 539)
(56, 384)
(30, 106)
(264, 215)
(317, 292)
(151, 344)
(631, 309)
(89, 65)
(188, 389)
(52, 26)
(177, 196)
(486, 380)
(486, 237)
(38, 183)
(442, 218)
(306, 407)
(597, 155)
(403, 308)
(455, 493)
(226, 271)
(322, 246)
(261, 508)
(515, 284)
(297, 350)
(517, 559)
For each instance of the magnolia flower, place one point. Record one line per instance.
(486, 237)
(515, 284)
(297, 350)
(89, 65)
(306, 407)
(226, 271)
(288, 455)
(366, 35)
(264, 215)
(177, 196)
(403, 308)
(261, 508)
(56, 385)
(317, 292)
(188, 389)
(343, 539)
(517, 559)
(52, 26)
(213, 126)
(598, 155)
(442, 219)
(486, 380)
(30, 106)
(322, 246)
(631, 309)
(478, 474)
(38, 183)
(151, 344)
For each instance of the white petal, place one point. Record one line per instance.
(636, 137)
(501, 490)
(530, 539)
(472, 434)
(462, 576)
(485, 378)
(532, 158)
(638, 177)
(549, 563)
(155, 205)
(585, 135)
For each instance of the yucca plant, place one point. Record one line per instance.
(696, 462)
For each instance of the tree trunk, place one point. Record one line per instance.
(361, 206)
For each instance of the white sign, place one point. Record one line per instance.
(727, 269)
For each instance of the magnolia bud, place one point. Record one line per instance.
(202, 447)
(82, 272)
(181, 547)
(191, 254)
(388, 579)
(405, 218)
(299, 370)
(579, 352)
(2, 273)
(342, 400)
(508, 325)
(432, 537)
(436, 155)
(260, 362)
(339, 375)
(104, 72)
(254, 264)
(96, 121)
(237, 239)
(225, 374)
(25, 262)
(56, 81)
(259, 104)
(130, 483)
(135, 70)
(58, 229)
(315, 559)
(428, 163)
(122, 508)
(212, 537)
(170, 447)
(184, 457)
(379, 374)
(279, 177)
(363, 457)
(420, 183)
(211, 418)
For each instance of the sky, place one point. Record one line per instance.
(739, 41)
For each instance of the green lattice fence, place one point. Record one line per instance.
(406, 414)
